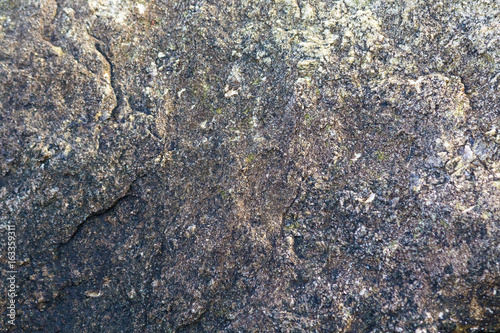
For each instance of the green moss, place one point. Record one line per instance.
(293, 226)
(489, 59)
(444, 224)
(250, 158)
(381, 156)
(308, 118)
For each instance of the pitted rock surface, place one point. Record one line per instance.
(251, 166)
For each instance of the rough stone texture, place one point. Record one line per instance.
(252, 166)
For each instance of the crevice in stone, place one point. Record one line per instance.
(97, 214)
(466, 90)
(287, 208)
(91, 216)
(100, 47)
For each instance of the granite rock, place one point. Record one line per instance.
(251, 166)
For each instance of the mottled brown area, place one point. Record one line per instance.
(251, 166)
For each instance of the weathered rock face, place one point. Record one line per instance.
(287, 165)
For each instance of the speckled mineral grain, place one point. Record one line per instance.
(250, 166)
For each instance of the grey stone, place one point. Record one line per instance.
(260, 166)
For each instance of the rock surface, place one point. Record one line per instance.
(251, 166)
